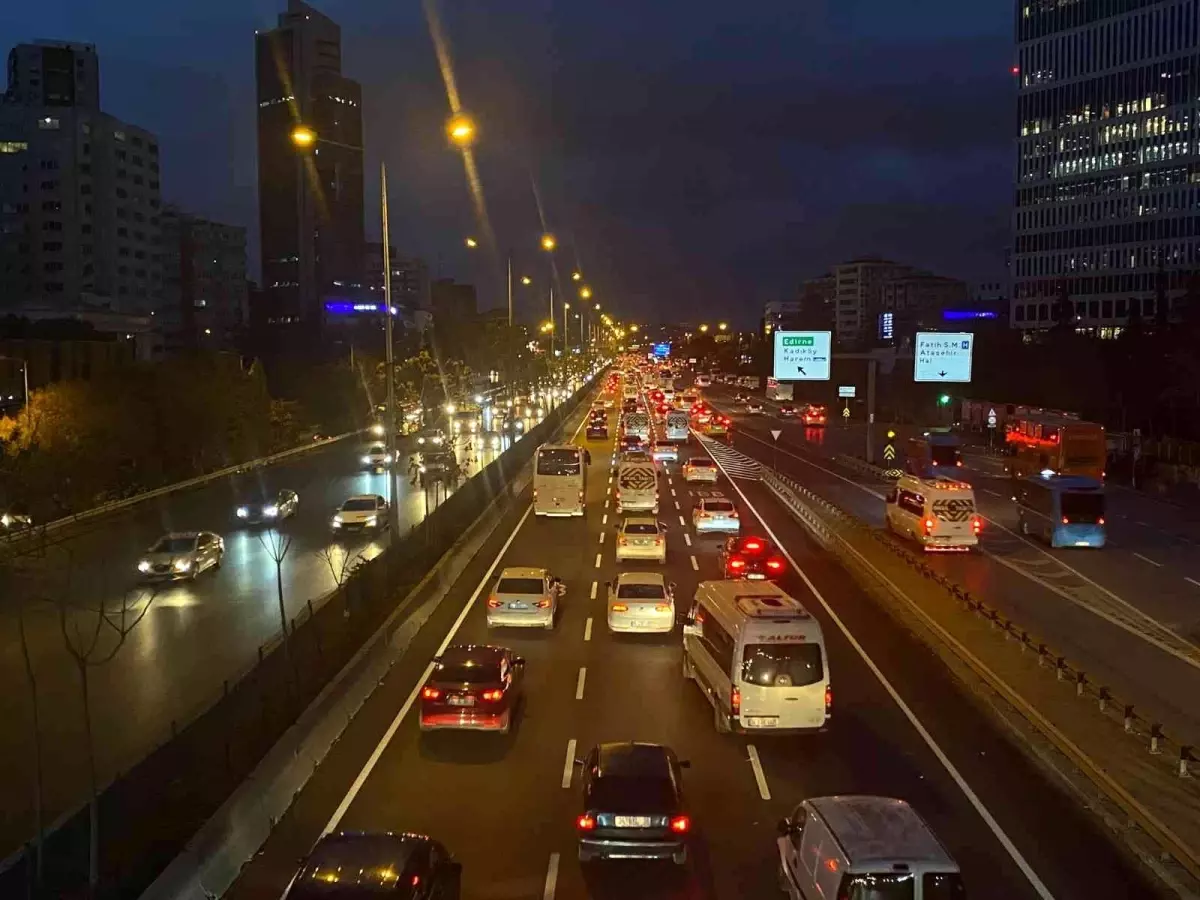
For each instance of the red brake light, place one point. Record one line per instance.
(775, 564)
(828, 700)
(543, 604)
(929, 523)
(494, 602)
(586, 823)
(430, 693)
(752, 545)
(493, 695)
(735, 701)
(977, 524)
(1065, 522)
(1100, 521)
(959, 463)
(680, 824)
(737, 564)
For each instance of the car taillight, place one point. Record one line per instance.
(828, 699)
(622, 540)
(493, 695)
(430, 693)
(586, 823)
(543, 604)
(494, 602)
(737, 564)
(959, 463)
(752, 545)
(662, 607)
(977, 524)
(1066, 521)
(929, 526)
(735, 701)
(581, 496)
(775, 564)
(659, 539)
(620, 607)
(680, 824)
(1100, 521)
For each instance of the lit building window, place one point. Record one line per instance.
(13, 146)
(48, 123)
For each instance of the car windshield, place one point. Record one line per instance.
(640, 592)
(174, 545)
(377, 448)
(631, 794)
(721, 506)
(782, 665)
(558, 462)
(359, 504)
(640, 528)
(520, 586)
(467, 671)
(1083, 506)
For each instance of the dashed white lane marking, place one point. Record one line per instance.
(602, 537)
(677, 504)
(579, 682)
(672, 492)
(695, 565)
(551, 878)
(606, 503)
(681, 522)
(1147, 559)
(687, 539)
(593, 595)
(587, 629)
(993, 493)
(604, 521)
(569, 766)
(597, 560)
(1192, 580)
(760, 777)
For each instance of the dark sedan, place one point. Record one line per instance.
(633, 804)
(269, 508)
(752, 558)
(597, 429)
(356, 865)
(473, 687)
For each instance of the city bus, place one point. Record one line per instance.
(560, 480)
(1057, 442)
(1063, 510)
(933, 453)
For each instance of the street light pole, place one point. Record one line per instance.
(510, 310)
(391, 370)
(566, 308)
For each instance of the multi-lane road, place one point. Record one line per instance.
(1129, 614)
(195, 634)
(505, 806)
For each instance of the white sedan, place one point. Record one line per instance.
(698, 469)
(641, 537)
(716, 512)
(524, 597)
(641, 603)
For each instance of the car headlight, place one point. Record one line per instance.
(377, 430)
(420, 468)
(366, 460)
(457, 427)
(271, 512)
(242, 512)
(6, 520)
(144, 565)
(373, 521)
(495, 443)
(388, 459)
(420, 440)
(337, 519)
(437, 440)
(182, 565)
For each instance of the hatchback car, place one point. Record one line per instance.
(787, 411)
(269, 508)
(664, 451)
(631, 443)
(474, 687)
(397, 865)
(814, 415)
(641, 603)
(365, 512)
(182, 554)
(630, 404)
(524, 597)
(752, 558)
(597, 429)
(641, 537)
(715, 513)
(754, 407)
(700, 469)
(633, 805)
(376, 457)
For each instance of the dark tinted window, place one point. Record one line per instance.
(782, 665)
(520, 586)
(558, 462)
(910, 502)
(174, 545)
(948, 886)
(877, 887)
(465, 671)
(942, 455)
(722, 506)
(620, 793)
(639, 528)
(640, 591)
(1082, 506)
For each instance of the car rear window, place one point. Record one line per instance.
(466, 673)
(625, 794)
(782, 665)
(721, 506)
(639, 528)
(520, 586)
(704, 463)
(640, 591)
(884, 886)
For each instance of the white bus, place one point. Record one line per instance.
(560, 480)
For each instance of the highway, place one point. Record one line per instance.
(1129, 614)
(195, 635)
(505, 806)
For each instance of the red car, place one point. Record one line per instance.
(814, 415)
(752, 558)
(473, 687)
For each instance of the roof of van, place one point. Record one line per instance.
(1068, 482)
(741, 602)
(880, 830)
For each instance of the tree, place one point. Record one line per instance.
(277, 546)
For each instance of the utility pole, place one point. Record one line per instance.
(390, 362)
(510, 310)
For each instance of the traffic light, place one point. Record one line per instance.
(891, 434)
(944, 400)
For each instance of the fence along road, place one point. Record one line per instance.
(195, 636)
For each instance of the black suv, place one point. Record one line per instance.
(353, 864)
(633, 804)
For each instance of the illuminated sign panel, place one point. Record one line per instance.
(802, 355)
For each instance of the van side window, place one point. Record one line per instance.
(719, 643)
(911, 502)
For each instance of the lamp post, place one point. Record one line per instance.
(566, 308)
(24, 376)
(391, 369)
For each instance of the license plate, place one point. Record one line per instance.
(631, 821)
(755, 576)
(1081, 544)
(640, 623)
(518, 605)
(762, 721)
(462, 701)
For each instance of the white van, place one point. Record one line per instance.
(636, 423)
(863, 847)
(759, 658)
(677, 426)
(938, 513)
(637, 486)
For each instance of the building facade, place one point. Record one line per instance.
(310, 198)
(204, 280)
(410, 278)
(858, 286)
(1107, 212)
(79, 191)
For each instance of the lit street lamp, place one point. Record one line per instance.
(472, 243)
(576, 276)
(723, 326)
(303, 136)
(526, 280)
(704, 329)
(461, 130)
(548, 242)
(585, 292)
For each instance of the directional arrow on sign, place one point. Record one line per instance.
(942, 374)
(775, 434)
(800, 369)
(889, 452)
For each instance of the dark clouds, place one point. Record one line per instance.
(698, 156)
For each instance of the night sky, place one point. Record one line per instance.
(697, 158)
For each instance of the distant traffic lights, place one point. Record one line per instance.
(944, 400)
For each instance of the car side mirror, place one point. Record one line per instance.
(608, 584)
(785, 827)
(579, 762)
(671, 587)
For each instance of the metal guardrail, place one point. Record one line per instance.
(1173, 755)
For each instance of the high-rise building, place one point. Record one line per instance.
(410, 278)
(310, 198)
(79, 191)
(1107, 205)
(858, 286)
(204, 280)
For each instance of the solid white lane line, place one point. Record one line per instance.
(760, 777)
(587, 629)
(373, 759)
(593, 595)
(695, 565)
(984, 813)
(604, 521)
(551, 878)
(687, 539)
(602, 537)
(1192, 580)
(1147, 559)
(597, 560)
(569, 766)
(579, 682)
